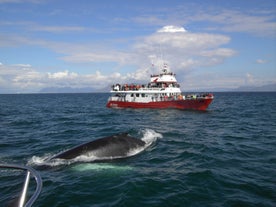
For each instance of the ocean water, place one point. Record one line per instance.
(225, 156)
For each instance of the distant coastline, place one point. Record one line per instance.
(263, 88)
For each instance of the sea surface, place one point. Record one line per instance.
(225, 156)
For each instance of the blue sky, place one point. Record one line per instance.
(208, 44)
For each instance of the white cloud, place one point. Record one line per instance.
(249, 79)
(35, 27)
(62, 75)
(209, 80)
(224, 52)
(215, 18)
(261, 61)
(23, 65)
(183, 50)
(254, 22)
(171, 28)
(110, 55)
(186, 40)
(259, 25)
(57, 29)
(175, 43)
(186, 51)
(16, 78)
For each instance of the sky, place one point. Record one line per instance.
(209, 44)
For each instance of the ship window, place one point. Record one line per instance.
(132, 95)
(137, 94)
(143, 95)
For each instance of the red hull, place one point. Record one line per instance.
(193, 104)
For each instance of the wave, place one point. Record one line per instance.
(149, 136)
(83, 167)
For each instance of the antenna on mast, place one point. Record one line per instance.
(162, 62)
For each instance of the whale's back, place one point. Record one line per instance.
(118, 145)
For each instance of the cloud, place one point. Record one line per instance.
(209, 80)
(185, 40)
(35, 27)
(185, 52)
(172, 28)
(110, 55)
(174, 43)
(62, 75)
(258, 23)
(17, 78)
(249, 79)
(23, 65)
(214, 18)
(57, 29)
(261, 61)
(183, 49)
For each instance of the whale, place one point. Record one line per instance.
(112, 147)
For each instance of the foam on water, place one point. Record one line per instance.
(46, 161)
(99, 166)
(149, 137)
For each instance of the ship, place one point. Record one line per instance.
(162, 92)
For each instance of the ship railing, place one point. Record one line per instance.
(145, 90)
(139, 90)
(22, 201)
